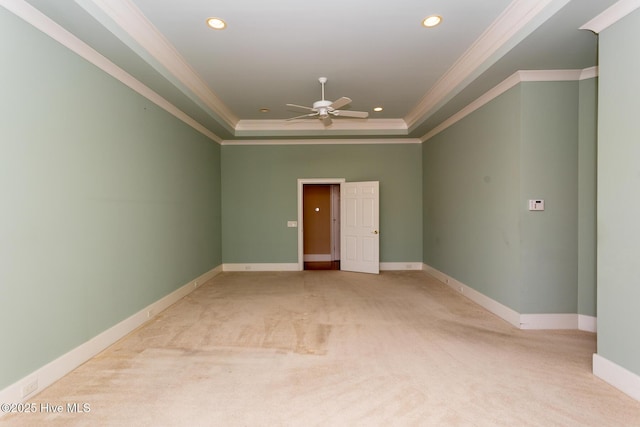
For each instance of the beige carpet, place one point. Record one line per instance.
(329, 348)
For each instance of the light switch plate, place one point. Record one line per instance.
(536, 205)
(292, 224)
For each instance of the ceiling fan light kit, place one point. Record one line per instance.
(324, 109)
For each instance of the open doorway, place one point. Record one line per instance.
(321, 226)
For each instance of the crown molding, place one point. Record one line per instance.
(314, 124)
(611, 15)
(314, 127)
(548, 75)
(511, 81)
(493, 93)
(519, 19)
(362, 141)
(43, 23)
(129, 19)
(589, 73)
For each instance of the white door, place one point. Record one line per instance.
(359, 236)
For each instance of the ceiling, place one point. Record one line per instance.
(376, 53)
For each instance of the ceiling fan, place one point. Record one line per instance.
(324, 109)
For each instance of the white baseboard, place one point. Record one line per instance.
(317, 257)
(587, 323)
(484, 301)
(619, 377)
(559, 321)
(261, 267)
(400, 266)
(549, 321)
(384, 266)
(56, 369)
(521, 321)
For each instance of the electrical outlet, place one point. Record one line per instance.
(461, 289)
(149, 314)
(195, 284)
(30, 388)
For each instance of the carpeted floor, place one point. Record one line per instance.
(331, 348)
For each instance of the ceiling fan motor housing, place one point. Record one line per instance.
(322, 104)
(322, 107)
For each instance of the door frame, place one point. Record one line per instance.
(301, 183)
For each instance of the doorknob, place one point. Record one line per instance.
(375, 231)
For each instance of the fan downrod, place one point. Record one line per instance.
(322, 81)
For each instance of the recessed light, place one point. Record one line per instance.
(264, 110)
(378, 109)
(216, 23)
(431, 21)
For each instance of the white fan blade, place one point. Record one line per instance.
(340, 103)
(303, 116)
(354, 114)
(326, 120)
(300, 107)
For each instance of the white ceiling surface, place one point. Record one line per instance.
(375, 52)
(270, 56)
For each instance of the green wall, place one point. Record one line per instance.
(549, 170)
(108, 202)
(471, 176)
(478, 176)
(587, 181)
(259, 195)
(618, 190)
